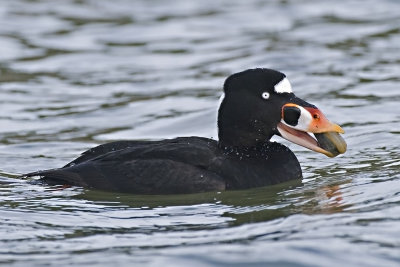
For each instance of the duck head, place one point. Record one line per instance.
(260, 103)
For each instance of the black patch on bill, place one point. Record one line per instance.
(291, 115)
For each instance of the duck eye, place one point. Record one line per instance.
(265, 95)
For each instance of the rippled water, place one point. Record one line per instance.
(74, 74)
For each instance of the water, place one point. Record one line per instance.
(80, 73)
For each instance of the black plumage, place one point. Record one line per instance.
(180, 165)
(243, 157)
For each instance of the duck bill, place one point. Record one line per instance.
(299, 121)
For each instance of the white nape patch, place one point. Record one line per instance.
(283, 87)
(304, 121)
(221, 98)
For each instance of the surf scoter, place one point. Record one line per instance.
(256, 104)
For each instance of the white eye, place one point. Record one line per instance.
(265, 95)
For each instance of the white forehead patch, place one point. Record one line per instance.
(283, 86)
